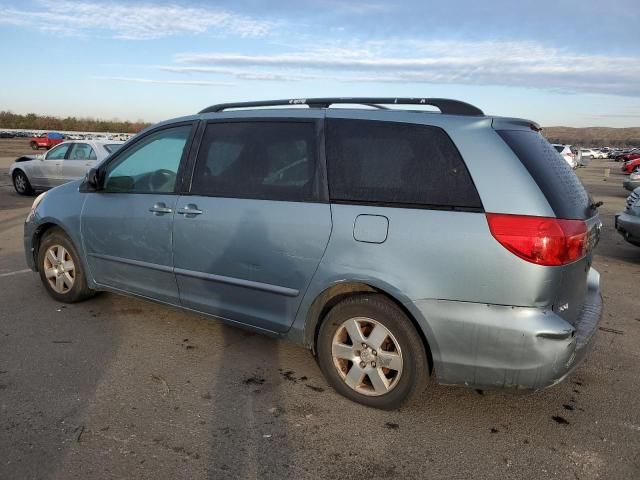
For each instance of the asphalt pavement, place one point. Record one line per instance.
(120, 388)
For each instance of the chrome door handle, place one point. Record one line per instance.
(189, 209)
(160, 208)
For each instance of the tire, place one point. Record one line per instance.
(21, 183)
(68, 284)
(34, 146)
(401, 347)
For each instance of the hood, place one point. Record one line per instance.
(26, 158)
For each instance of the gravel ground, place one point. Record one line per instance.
(120, 388)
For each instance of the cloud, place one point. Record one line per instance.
(502, 63)
(133, 22)
(193, 83)
(239, 74)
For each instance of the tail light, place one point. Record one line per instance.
(540, 240)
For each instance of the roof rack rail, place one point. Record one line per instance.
(448, 106)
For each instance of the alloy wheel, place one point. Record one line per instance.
(367, 356)
(20, 182)
(59, 269)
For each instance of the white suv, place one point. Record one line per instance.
(568, 154)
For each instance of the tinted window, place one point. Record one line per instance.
(82, 151)
(150, 165)
(396, 163)
(559, 148)
(562, 188)
(58, 152)
(273, 161)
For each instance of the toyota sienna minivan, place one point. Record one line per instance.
(396, 244)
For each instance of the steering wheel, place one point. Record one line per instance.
(161, 180)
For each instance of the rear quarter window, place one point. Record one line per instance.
(555, 178)
(396, 164)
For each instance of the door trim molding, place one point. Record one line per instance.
(128, 261)
(239, 282)
(265, 287)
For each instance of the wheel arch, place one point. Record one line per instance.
(38, 235)
(335, 293)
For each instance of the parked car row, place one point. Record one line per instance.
(118, 137)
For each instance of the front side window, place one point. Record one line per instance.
(150, 165)
(395, 163)
(260, 160)
(58, 152)
(82, 151)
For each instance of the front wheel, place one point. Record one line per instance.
(34, 146)
(21, 183)
(370, 352)
(60, 268)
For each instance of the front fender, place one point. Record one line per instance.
(61, 207)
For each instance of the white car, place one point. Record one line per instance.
(567, 153)
(65, 162)
(590, 152)
(599, 153)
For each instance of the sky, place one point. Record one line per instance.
(572, 63)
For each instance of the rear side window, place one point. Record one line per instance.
(399, 164)
(559, 148)
(562, 188)
(260, 160)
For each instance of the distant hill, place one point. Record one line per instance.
(594, 136)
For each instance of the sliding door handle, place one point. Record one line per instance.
(160, 208)
(189, 210)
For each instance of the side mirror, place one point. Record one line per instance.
(93, 180)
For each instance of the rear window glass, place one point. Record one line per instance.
(559, 148)
(396, 163)
(557, 181)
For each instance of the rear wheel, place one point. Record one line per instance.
(34, 146)
(60, 268)
(21, 183)
(370, 352)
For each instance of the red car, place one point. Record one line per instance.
(631, 165)
(46, 140)
(631, 156)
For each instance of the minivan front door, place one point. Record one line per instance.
(127, 225)
(251, 234)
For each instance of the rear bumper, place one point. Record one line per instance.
(629, 227)
(496, 347)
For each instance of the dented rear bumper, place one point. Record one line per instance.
(496, 346)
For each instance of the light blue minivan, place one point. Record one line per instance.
(393, 243)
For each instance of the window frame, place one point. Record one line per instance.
(177, 188)
(320, 184)
(419, 206)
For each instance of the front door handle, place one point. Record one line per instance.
(189, 210)
(160, 208)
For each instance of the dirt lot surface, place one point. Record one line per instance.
(15, 147)
(120, 388)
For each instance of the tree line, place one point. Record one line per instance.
(594, 136)
(33, 121)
